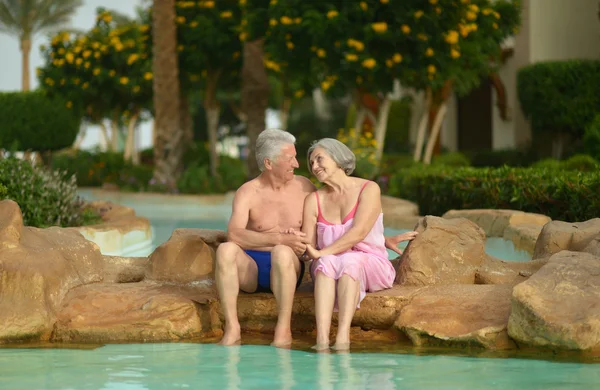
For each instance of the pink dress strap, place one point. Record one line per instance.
(348, 217)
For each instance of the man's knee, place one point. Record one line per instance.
(227, 253)
(283, 257)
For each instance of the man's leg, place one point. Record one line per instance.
(285, 268)
(235, 270)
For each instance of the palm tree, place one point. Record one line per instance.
(170, 140)
(26, 18)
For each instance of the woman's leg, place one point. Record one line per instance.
(324, 300)
(348, 294)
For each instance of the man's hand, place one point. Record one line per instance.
(295, 240)
(293, 231)
(392, 242)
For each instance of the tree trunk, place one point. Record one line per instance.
(435, 132)
(185, 115)
(114, 126)
(25, 51)
(255, 95)
(130, 152)
(80, 137)
(104, 139)
(440, 97)
(361, 113)
(170, 145)
(422, 127)
(381, 125)
(286, 102)
(239, 113)
(211, 106)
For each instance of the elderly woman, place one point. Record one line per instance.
(344, 223)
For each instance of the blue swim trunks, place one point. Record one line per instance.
(263, 262)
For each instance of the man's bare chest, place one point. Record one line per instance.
(277, 212)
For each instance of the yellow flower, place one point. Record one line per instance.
(69, 104)
(325, 85)
(298, 20)
(111, 73)
(321, 53)
(107, 18)
(422, 37)
(193, 24)
(62, 81)
(452, 37)
(97, 54)
(289, 45)
(364, 6)
(298, 94)
(397, 58)
(332, 14)
(78, 61)
(76, 81)
(273, 2)
(87, 64)
(389, 63)
(474, 8)
(85, 85)
(132, 58)
(379, 27)
(242, 2)
(405, 29)
(384, 1)
(124, 80)
(358, 45)
(38, 71)
(243, 36)
(487, 11)
(49, 81)
(148, 76)
(495, 25)
(351, 57)
(454, 53)
(429, 52)
(273, 22)
(180, 48)
(471, 15)
(438, 10)
(96, 71)
(226, 14)
(144, 28)
(136, 89)
(496, 15)
(433, 2)
(286, 20)
(86, 53)
(431, 69)
(206, 4)
(369, 63)
(419, 14)
(69, 57)
(180, 19)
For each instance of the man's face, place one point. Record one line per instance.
(283, 166)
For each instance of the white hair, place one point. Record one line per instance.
(269, 144)
(339, 153)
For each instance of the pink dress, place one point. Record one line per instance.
(366, 261)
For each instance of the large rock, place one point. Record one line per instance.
(136, 312)
(458, 315)
(446, 251)
(118, 269)
(37, 269)
(494, 222)
(399, 213)
(496, 271)
(557, 236)
(184, 258)
(559, 306)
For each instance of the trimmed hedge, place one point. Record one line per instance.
(33, 121)
(560, 96)
(563, 195)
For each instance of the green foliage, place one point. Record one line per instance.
(581, 162)
(547, 163)
(398, 127)
(560, 96)
(3, 191)
(33, 121)
(197, 178)
(24, 19)
(46, 198)
(455, 159)
(560, 194)
(92, 169)
(591, 138)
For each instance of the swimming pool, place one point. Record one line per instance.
(208, 366)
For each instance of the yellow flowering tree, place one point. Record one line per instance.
(209, 56)
(106, 72)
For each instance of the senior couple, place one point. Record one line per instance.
(279, 221)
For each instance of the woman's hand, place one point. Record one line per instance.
(312, 252)
(293, 231)
(392, 242)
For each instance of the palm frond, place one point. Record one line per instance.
(26, 18)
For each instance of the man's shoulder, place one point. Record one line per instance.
(247, 189)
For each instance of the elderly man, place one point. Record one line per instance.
(264, 238)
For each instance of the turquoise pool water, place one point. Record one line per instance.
(498, 247)
(208, 366)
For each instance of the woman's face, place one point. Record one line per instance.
(321, 164)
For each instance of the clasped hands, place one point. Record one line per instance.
(297, 240)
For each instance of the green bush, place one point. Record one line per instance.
(560, 96)
(92, 169)
(197, 179)
(560, 194)
(591, 138)
(33, 121)
(547, 163)
(454, 159)
(398, 127)
(580, 162)
(46, 198)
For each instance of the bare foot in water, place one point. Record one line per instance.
(283, 337)
(341, 347)
(232, 336)
(321, 347)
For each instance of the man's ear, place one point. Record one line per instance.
(268, 164)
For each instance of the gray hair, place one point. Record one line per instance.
(269, 144)
(340, 153)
